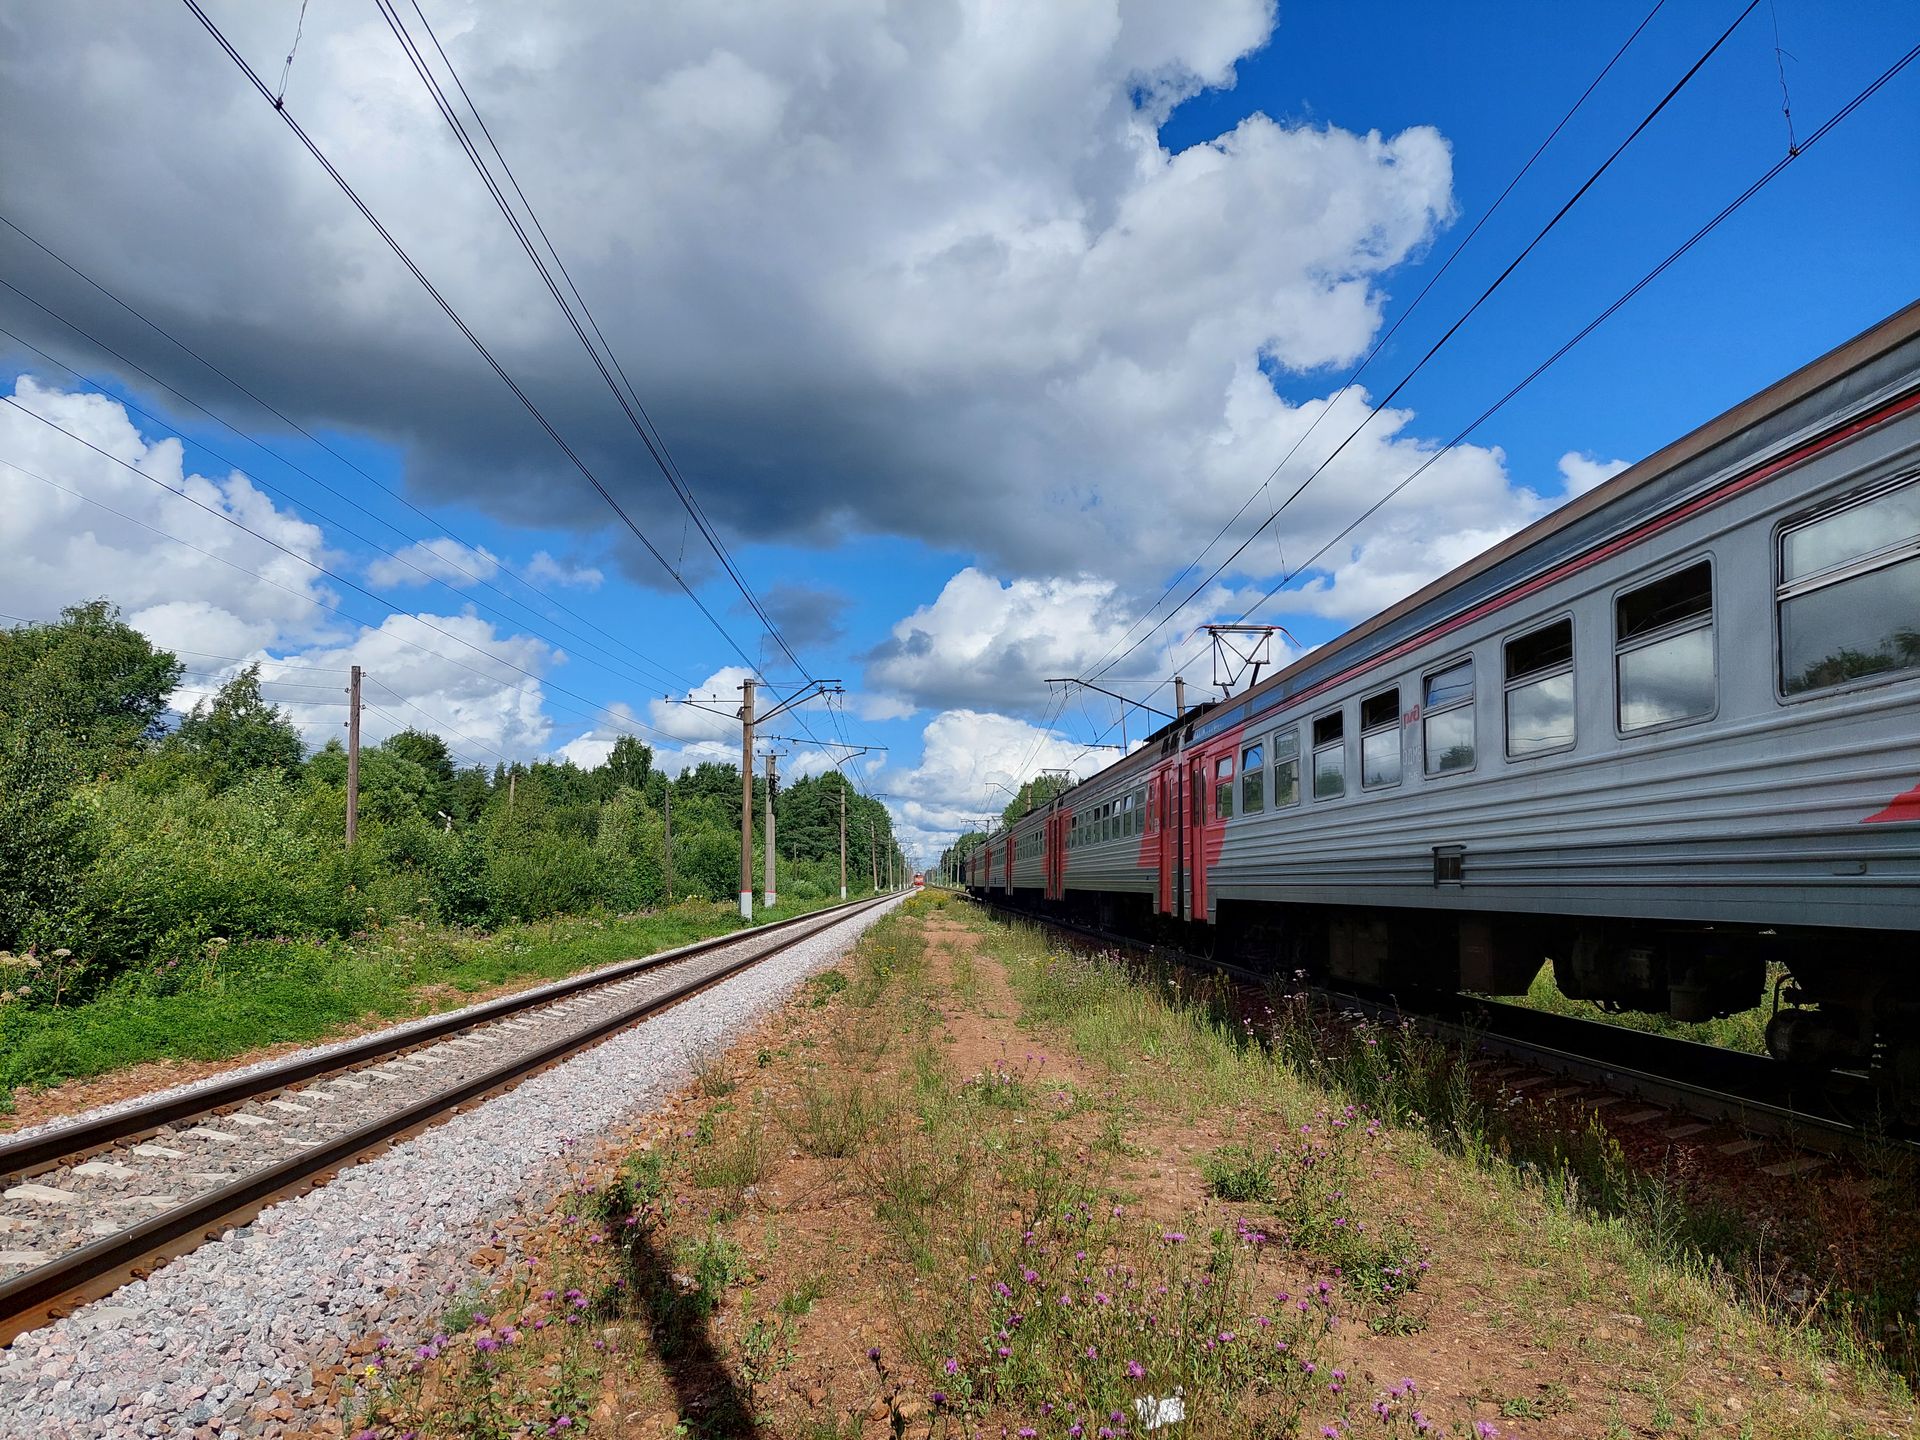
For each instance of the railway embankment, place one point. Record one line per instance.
(968, 1184)
(248, 1335)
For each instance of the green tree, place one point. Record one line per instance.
(238, 735)
(629, 764)
(91, 679)
(430, 753)
(47, 839)
(1035, 792)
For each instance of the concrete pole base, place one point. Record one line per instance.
(746, 904)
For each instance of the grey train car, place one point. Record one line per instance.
(1663, 736)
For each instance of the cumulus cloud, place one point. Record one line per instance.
(987, 643)
(442, 558)
(966, 757)
(987, 279)
(1582, 472)
(127, 519)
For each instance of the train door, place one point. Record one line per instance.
(1193, 823)
(1161, 817)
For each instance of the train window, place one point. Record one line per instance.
(1139, 811)
(1540, 691)
(1663, 650)
(1253, 779)
(1223, 788)
(1286, 768)
(1447, 719)
(1380, 740)
(1330, 756)
(1129, 819)
(1850, 592)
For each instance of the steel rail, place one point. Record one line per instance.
(101, 1266)
(1753, 1092)
(29, 1156)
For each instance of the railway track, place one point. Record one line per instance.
(1675, 1089)
(88, 1205)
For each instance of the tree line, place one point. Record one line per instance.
(132, 837)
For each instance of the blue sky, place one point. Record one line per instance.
(968, 331)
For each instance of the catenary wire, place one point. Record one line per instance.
(1725, 213)
(1453, 329)
(1393, 329)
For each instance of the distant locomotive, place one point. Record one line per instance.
(1662, 736)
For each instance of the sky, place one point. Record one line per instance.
(974, 330)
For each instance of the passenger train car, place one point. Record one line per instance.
(1663, 736)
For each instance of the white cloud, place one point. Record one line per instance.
(442, 558)
(990, 277)
(76, 524)
(966, 756)
(1582, 472)
(543, 569)
(986, 643)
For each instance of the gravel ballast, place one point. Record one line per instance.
(203, 1345)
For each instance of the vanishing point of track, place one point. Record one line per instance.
(173, 1158)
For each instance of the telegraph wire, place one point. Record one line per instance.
(1406, 314)
(1451, 330)
(296, 426)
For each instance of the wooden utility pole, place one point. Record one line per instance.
(772, 896)
(669, 848)
(746, 799)
(353, 756)
(873, 856)
(843, 837)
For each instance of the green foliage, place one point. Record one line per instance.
(47, 835)
(89, 679)
(238, 735)
(138, 849)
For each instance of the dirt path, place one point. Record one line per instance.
(807, 1245)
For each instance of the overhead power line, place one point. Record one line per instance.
(560, 441)
(1358, 370)
(398, 496)
(1453, 329)
(622, 389)
(1766, 178)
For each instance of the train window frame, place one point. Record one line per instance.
(1221, 781)
(1378, 728)
(1662, 634)
(1338, 741)
(1510, 682)
(1785, 591)
(1468, 702)
(1290, 734)
(1253, 777)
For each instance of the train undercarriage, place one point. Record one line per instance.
(1845, 1002)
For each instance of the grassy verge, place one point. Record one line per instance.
(242, 997)
(969, 1186)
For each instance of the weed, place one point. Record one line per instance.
(1240, 1173)
(799, 1300)
(710, 1074)
(833, 1120)
(732, 1166)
